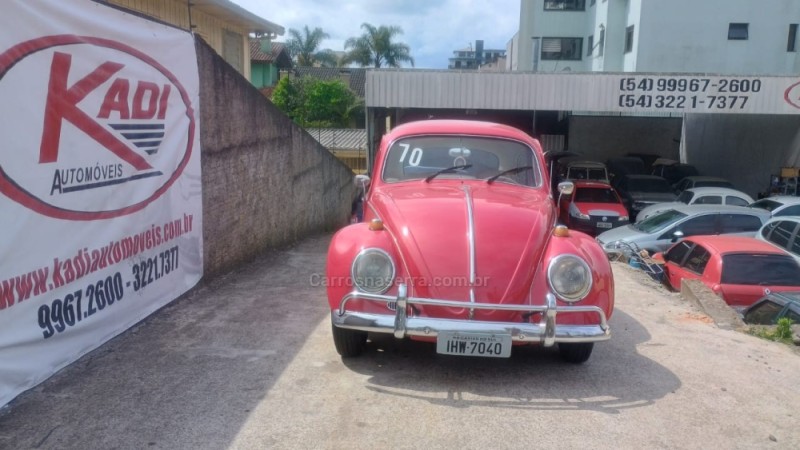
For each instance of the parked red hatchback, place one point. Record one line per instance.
(593, 207)
(739, 269)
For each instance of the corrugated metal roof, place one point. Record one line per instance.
(602, 92)
(340, 138)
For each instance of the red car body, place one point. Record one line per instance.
(473, 258)
(739, 269)
(593, 207)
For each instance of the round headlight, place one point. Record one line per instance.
(373, 271)
(569, 277)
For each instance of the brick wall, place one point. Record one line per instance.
(266, 182)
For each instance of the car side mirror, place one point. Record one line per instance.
(566, 188)
(362, 181)
(676, 236)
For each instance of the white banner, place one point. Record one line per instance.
(100, 190)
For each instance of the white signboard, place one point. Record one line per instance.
(100, 192)
(596, 92)
(706, 94)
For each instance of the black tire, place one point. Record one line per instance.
(349, 343)
(576, 353)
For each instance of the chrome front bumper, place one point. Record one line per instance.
(546, 332)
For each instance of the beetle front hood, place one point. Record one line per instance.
(430, 222)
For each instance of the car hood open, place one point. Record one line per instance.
(430, 223)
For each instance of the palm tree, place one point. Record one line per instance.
(304, 47)
(375, 47)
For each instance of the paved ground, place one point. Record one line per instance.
(247, 362)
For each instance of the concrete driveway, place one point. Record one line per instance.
(247, 361)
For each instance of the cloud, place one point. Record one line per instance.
(432, 28)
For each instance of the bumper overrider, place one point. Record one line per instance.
(546, 332)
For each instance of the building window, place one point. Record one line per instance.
(564, 5)
(562, 48)
(233, 48)
(737, 32)
(629, 39)
(601, 42)
(590, 45)
(791, 47)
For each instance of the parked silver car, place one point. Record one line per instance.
(784, 233)
(700, 196)
(658, 232)
(779, 205)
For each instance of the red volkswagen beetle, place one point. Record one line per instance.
(459, 247)
(739, 269)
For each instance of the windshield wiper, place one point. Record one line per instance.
(447, 170)
(490, 180)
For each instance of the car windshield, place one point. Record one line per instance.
(648, 185)
(419, 157)
(764, 203)
(658, 222)
(596, 195)
(584, 173)
(760, 269)
(686, 197)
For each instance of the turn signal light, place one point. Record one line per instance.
(561, 231)
(376, 225)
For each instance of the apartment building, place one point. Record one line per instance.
(471, 59)
(753, 37)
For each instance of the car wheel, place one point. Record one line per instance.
(349, 343)
(576, 353)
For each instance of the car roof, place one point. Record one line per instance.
(591, 184)
(703, 178)
(585, 163)
(785, 297)
(716, 190)
(722, 244)
(631, 176)
(458, 127)
(782, 219)
(785, 199)
(695, 208)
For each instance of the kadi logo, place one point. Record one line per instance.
(792, 95)
(93, 128)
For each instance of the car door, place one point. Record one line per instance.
(674, 258)
(736, 201)
(739, 224)
(693, 266)
(709, 200)
(789, 211)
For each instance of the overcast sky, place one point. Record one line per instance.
(432, 28)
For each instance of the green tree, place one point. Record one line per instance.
(304, 46)
(375, 47)
(315, 103)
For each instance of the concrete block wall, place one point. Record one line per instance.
(266, 182)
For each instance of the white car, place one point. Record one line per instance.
(779, 205)
(784, 233)
(659, 232)
(700, 196)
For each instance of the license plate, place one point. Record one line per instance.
(603, 224)
(473, 344)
